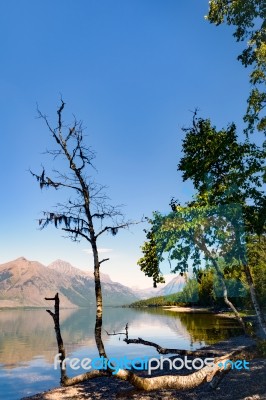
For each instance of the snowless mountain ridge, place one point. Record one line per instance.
(25, 283)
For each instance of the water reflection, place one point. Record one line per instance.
(29, 334)
(28, 343)
(208, 328)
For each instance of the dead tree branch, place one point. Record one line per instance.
(162, 350)
(181, 382)
(119, 333)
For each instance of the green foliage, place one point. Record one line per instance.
(221, 168)
(160, 301)
(225, 171)
(195, 234)
(190, 293)
(257, 264)
(229, 205)
(248, 17)
(206, 291)
(149, 263)
(201, 290)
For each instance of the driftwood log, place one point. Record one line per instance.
(181, 382)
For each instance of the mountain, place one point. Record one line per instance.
(174, 286)
(64, 267)
(25, 283)
(145, 293)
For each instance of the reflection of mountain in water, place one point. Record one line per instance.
(25, 334)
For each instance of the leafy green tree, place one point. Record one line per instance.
(229, 202)
(205, 289)
(249, 19)
(229, 173)
(222, 170)
(257, 262)
(195, 233)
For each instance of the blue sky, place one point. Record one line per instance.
(132, 70)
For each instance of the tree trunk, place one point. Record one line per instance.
(227, 301)
(99, 300)
(257, 307)
(60, 344)
(180, 382)
(204, 248)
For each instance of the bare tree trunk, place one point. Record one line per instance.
(60, 344)
(99, 311)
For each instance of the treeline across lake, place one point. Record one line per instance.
(205, 290)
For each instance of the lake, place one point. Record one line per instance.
(28, 344)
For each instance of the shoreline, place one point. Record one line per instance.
(249, 384)
(189, 309)
(201, 310)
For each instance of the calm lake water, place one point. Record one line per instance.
(28, 343)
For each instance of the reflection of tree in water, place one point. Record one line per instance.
(25, 334)
(28, 334)
(209, 328)
(199, 327)
(170, 320)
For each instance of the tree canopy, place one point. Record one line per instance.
(229, 201)
(249, 19)
(229, 205)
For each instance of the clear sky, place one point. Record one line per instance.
(132, 70)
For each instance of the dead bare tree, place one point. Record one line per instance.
(77, 216)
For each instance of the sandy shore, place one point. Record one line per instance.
(187, 309)
(237, 384)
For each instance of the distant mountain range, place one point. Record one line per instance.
(174, 286)
(25, 283)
